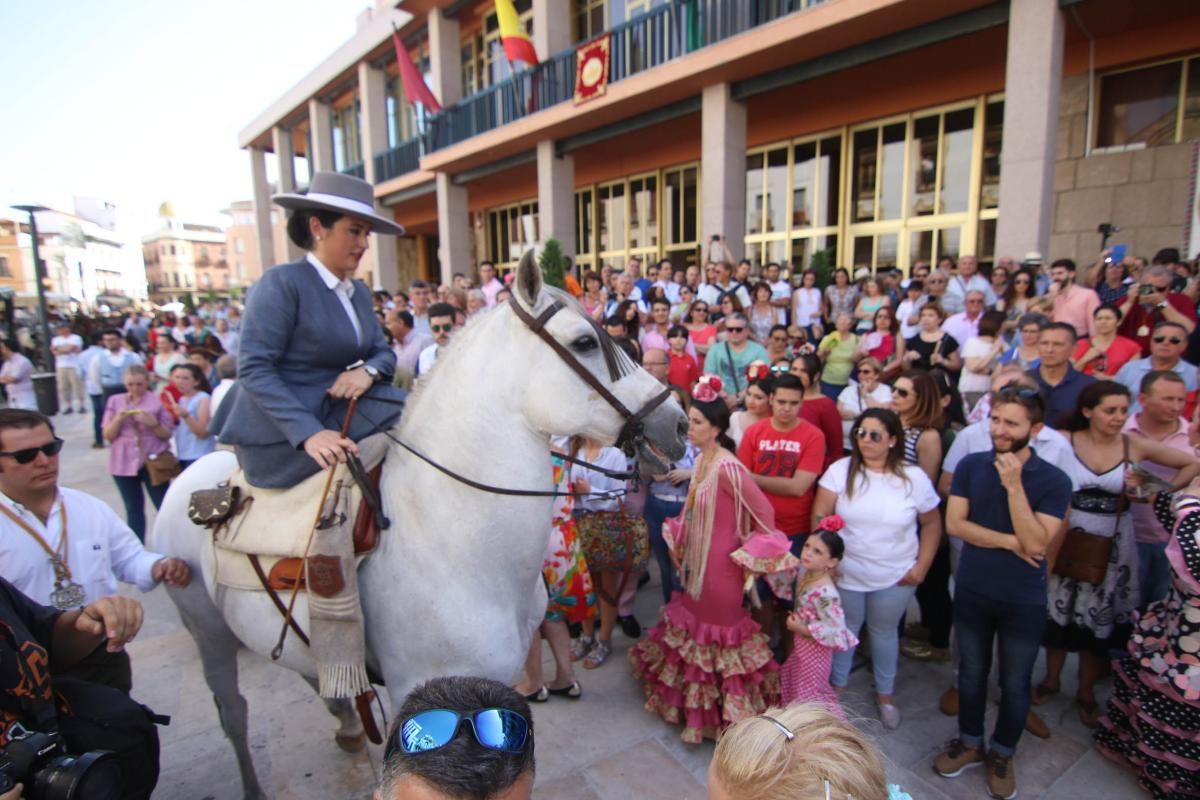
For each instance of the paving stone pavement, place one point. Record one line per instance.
(603, 746)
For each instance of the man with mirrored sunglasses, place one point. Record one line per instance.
(460, 738)
(1167, 344)
(65, 548)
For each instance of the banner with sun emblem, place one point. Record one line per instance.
(591, 69)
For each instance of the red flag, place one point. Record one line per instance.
(414, 85)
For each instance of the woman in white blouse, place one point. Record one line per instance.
(806, 306)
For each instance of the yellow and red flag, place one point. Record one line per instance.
(517, 44)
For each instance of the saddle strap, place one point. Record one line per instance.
(283, 612)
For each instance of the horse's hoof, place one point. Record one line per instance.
(351, 744)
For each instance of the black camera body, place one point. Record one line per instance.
(40, 761)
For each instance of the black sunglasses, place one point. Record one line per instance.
(27, 455)
(901, 392)
(874, 436)
(737, 329)
(1023, 392)
(1171, 339)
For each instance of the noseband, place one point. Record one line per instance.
(632, 432)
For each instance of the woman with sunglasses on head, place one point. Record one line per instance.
(706, 644)
(1104, 353)
(818, 409)
(702, 332)
(868, 392)
(138, 428)
(1093, 619)
(883, 502)
(758, 401)
(807, 305)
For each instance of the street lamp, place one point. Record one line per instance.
(49, 404)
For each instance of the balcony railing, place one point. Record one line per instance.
(358, 170)
(401, 159)
(648, 40)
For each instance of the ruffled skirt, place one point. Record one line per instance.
(705, 676)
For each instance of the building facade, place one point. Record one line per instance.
(876, 132)
(242, 250)
(185, 258)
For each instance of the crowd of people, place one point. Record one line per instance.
(1012, 453)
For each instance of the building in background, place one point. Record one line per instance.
(186, 258)
(874, 132)
(241, 243)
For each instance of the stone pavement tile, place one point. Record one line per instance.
(1096, 778)
(645, 770)
(568, 787)
(695, 757)
(918, 786)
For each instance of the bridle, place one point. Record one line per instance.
(632, 433)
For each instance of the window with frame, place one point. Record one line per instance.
(4, 270)
(347, 147)
(590, 18)
(405, 119)
(511, 230)
(1150, 105)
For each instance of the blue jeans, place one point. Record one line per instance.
(881, 610)
(832, 390)
(1154, 572)
(655, 512)
(130, 487)
(977, 621)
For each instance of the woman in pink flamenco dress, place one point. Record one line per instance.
(707, 663)
(818, 622)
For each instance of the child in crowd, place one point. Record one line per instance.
(802, 751)
(818, 623)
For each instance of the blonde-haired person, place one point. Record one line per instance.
(803, 751)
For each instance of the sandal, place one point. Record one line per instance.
(540, 696)
(598, 655)
(1089, 712)
(581, 647)
(572, 692)
(1042, 694)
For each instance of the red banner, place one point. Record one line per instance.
(591, 69)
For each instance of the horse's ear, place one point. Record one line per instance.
(529, 279)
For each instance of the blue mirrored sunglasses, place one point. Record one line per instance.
(494, 728)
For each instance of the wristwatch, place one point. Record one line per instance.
(374, 373)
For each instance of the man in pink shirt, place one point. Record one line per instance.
(1073, 304)
(1162, 398)
(488, 282)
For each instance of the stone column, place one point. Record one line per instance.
(445, 58)
(454, 229)
(372, 89)
(551, 27)
(1035, 54)
(556, 197)
(261, 201)
(285, 154)
(723, 168)
(320, 126)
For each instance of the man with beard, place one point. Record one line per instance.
(1007, 506)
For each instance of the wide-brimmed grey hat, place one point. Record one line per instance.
(333, 191)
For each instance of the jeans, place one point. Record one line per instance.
(881, 610)
(97, 417)
(655, 512)
(977, 621)
(1154, 572)
(832, 390)
(130, 487)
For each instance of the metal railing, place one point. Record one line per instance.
(400, 160)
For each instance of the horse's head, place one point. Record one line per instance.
(582, 382)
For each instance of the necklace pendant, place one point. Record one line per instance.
(67, 595)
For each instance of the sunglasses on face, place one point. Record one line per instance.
(735, 329)
(49, 449)
(494, 728)
(901, 392)
(1171, 339)
(441, 328)
(874, 436)
(866, 372)
(779, 369)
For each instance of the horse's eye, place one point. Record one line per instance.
(584, 344)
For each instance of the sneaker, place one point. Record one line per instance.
(923, 651)
(1036, 725)
(956, 758)
(630, 626)
(1001, 777)
(581, 647)
(598, 655)
(889, 715)
(948, 705)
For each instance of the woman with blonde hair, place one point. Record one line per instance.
(803, 751)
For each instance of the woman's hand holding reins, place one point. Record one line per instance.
(328, 448)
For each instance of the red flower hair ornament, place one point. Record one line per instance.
(832, 523)
(757, 370)
(707, 389)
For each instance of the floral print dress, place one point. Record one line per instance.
(572, 598)
(805, 674)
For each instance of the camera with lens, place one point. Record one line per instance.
(41, 763)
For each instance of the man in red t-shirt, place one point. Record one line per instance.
(785, 454)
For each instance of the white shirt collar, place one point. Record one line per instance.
(331, 281)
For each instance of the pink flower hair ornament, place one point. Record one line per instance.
(832, 523)
(707, 389)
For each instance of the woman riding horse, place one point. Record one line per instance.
(310, 342)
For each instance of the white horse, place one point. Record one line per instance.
(454, 586)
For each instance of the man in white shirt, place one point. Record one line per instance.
(781, 290)
(93, 549)
(967, 280)
(66, 347)
(441, 322)
(17, 378)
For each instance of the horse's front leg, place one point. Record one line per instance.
(350, 735)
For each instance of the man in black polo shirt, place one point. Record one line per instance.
(1060, 382)
(1007, 505)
